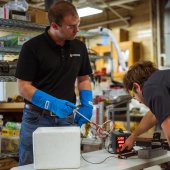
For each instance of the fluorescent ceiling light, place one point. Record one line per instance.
(88, 11)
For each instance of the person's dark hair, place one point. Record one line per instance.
(58, 10)
(139, 73)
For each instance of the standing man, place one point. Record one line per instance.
(151, 87)
(47, 69)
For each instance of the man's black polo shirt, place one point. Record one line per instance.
(52, 68)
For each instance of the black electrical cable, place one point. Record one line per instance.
(107, 149)
(97, 162)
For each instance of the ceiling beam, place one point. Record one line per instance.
(125, 7)
(115, 12)
(116, 3)
(104, 23)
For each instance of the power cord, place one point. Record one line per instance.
(97, 162)
(108, 149)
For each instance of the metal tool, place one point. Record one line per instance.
(99, 127)
(95, 124)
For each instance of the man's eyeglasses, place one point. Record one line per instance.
(132, 92)
(70, 27)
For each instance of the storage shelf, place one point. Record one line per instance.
(11, 106)
(7, 79)
(10, 24)
(9, 50)
(21, 24)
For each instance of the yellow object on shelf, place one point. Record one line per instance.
(119, 125)
(10, 132)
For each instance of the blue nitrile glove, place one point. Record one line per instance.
(86, 108)
(61, 108)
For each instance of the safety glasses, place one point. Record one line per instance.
(73, 27)
(70, 27)
(132, 92)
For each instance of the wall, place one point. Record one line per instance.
(140, 29)
(8, 89)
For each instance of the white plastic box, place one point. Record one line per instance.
(56, 147)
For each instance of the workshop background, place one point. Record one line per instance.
(138, 29)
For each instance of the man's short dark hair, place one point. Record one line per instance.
(138, 73)
(59, 10)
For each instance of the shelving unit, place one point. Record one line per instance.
(20, 24)
(9, 50)
(111, 109)
(7, 78)
(13, 111)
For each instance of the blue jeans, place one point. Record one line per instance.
(31, 120)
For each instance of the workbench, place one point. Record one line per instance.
(112, 163)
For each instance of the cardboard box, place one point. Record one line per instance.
(39, 17)
(18, 15)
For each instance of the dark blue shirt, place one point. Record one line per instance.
(156, 92)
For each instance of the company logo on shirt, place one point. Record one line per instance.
(74, 55)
